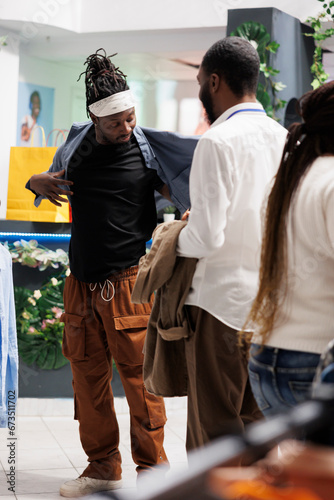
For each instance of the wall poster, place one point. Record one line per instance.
(35, 110)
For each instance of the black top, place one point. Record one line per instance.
(113, 208)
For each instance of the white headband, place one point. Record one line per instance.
(113, 104)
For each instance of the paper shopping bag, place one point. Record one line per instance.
(25, 162)
(62, 133)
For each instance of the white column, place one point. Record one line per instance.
(9, 81)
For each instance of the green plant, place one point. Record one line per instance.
(39, 329)
(3, 41)
(39, 325)
(259, 37)
(170, 209)
(320, 34)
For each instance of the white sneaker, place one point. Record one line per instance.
(87, 485)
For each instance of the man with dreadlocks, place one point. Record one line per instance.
(108, 170)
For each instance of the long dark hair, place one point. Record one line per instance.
(306, 141)
(102, 78)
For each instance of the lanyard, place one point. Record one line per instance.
(243, 110)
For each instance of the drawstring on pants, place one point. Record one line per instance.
(105, 290)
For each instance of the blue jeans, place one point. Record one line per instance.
(280, 378)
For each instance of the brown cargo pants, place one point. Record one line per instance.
(101, 324)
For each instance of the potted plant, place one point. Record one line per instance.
(169, 213)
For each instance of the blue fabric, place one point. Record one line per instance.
(245, 110)
(174, 153)
(280, 378)
(8, 339)
(168, 153)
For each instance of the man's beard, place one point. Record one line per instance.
(208, 104)
(119, 147)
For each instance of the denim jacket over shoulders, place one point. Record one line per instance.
(8, 340)
(169, 153)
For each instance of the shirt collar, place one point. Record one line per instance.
(245, 105)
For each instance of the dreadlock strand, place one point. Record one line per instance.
(102, 78)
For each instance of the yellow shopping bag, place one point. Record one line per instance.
(23, 163)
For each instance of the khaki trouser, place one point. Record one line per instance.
(220, 399)
(102, 324)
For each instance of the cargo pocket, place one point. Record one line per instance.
(74, 337)
(131, 332)
(156, 410)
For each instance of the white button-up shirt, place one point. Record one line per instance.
(233, 164)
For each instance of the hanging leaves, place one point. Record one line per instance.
(259, 37)
(320, 35)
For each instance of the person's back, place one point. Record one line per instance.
(293, 310)
(305, 320)
(233, 164)
(251, 144)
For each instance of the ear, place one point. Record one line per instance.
(93, 118)
(214, 82)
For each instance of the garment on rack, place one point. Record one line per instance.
(8, 339)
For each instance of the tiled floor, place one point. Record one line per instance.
(48, 451)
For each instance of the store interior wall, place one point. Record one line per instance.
(153, 96)
(61, 77)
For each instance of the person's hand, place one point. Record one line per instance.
(47, 185)
(186, 214)
(25, 133)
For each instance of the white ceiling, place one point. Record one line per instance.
(148, 35)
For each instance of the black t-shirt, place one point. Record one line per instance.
(113, 208)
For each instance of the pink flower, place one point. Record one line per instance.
(31, 329)
(57, 312)
(50, 321)
(43, 325)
